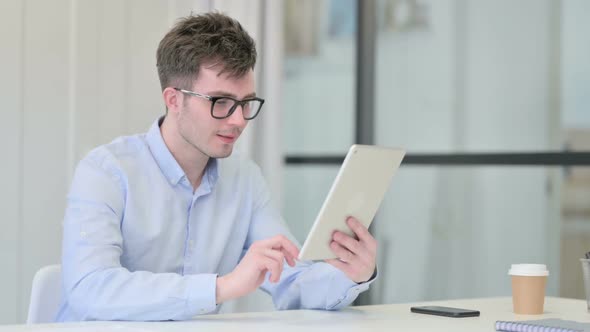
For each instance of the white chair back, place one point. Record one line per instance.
(45, 295)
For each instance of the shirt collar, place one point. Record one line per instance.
(166, 161)
(212, 170)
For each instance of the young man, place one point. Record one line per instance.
(166, 225)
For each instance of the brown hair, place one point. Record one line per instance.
(194, 40)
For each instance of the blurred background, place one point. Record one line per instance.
(438, 78)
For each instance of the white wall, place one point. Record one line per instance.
(480, 78)
(75, 74)
(11, 147)
(512, 78)
(418, 79)
(45, 135)
(575, 64)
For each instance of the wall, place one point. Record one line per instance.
(481, 76)
(11, 147)
(575, 101)
(76, 74)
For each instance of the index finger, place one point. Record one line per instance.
(359, 229)
(282, 243)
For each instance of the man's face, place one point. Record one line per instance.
(212, 137)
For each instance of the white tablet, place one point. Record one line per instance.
(357, 191)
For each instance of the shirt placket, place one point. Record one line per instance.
(191, 224)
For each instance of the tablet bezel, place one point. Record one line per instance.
(365, 174)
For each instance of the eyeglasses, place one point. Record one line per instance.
(223, 107)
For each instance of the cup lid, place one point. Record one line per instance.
(533, 270)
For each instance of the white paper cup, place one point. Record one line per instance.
(528, 288)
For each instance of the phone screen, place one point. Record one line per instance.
(445, 311)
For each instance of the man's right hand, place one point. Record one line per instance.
(263, 256)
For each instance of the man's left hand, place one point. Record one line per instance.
(356, 258)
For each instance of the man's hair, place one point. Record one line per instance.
(212, 38)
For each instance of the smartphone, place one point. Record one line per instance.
(445, 311)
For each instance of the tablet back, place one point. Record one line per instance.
(357, 191)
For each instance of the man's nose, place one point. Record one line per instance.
(237, 117)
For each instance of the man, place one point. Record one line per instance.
(166, 225)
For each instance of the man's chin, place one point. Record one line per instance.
(222, 153)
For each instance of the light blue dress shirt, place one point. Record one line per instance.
(139, 244)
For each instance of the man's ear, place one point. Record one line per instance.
(171, 99)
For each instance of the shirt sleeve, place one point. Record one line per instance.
(308, 285)
(96, 286)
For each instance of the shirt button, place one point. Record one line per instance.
(191, 243)
(83, 234)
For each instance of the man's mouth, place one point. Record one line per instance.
(227, 138)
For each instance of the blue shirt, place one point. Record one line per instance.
(139, 244)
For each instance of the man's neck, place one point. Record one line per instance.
(192, 161)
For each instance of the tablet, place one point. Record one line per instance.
(357, 191)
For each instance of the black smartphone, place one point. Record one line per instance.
(445, 311)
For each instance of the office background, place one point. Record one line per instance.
(448, 76)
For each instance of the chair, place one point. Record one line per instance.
(45, 295)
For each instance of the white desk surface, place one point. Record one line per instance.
(391, 317)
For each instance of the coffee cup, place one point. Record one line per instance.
(528, 288)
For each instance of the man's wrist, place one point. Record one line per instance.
(373, 276)
(222, 290)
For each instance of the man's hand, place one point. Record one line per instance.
(356, 258)
(263, 256)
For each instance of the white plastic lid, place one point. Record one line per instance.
(532, 270)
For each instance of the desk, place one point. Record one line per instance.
(391, 317)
